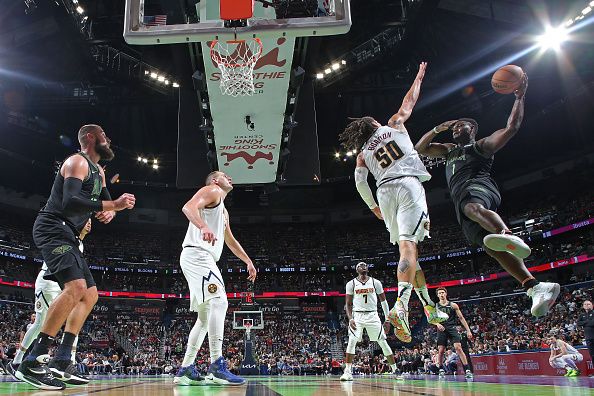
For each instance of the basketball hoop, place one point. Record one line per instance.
(236, 60)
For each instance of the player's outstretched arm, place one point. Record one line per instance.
(410, 99)
(238, 251)
(426, 146)
(362, 186)
(496, 141)
(206, 196)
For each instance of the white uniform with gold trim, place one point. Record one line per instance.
(398, 170)
(198, 259)
(47, 291)
(365, 308)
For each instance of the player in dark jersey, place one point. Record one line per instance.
(447, 330)
(79, 192)
(476, 196)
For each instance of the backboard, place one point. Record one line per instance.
(241, 318)
(250, 136)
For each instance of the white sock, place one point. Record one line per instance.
(404, 292)
(30, 336)
(423, 294)
(216, 326)
(73, 355)
(348, 367)
(196, 338)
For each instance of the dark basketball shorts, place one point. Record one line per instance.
(60, 250)
(477, 191)
(450, 333)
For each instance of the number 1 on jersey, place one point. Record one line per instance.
(387, 154)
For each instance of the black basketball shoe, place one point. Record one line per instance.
(36, 373)
(67, 372)
(11, 369)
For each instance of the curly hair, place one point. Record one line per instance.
(357, 132)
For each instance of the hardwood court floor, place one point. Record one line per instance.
(323, 386)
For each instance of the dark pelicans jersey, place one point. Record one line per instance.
(467, 163)
(91, 189)
(453, 318)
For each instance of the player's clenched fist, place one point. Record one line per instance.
(125, 201)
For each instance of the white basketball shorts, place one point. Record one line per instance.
(204, 277)
(371, 323)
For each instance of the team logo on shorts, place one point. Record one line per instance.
(38, 305)
(61, 249)
(212, 288)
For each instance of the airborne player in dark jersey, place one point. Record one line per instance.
(476, 195)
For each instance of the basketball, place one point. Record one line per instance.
(507, 79)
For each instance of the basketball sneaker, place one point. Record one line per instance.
(441, 373)
(506, 242)
(573, 373)
(543, 297)
(434, 314)
(67, 372)
(220, 374)
(469, 374)
(398, 316)
(346, 376)
(11, 369)
(36, 373)
(188, 376)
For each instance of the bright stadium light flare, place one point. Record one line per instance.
(328, 71)
(553, 37)
(80, 10)
(175, 85)
(337, 155)
(319, 76)
(586, 10)
(335, 66)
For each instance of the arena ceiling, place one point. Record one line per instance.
(51, 83)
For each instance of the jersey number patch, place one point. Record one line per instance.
(387, 154)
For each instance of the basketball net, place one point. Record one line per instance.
(248, 329)
(236, 60)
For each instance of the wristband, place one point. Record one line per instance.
(435, 131)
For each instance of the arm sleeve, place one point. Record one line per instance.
(362, 186)
(73, 202)
(105, 195)
(350, 289)
(386, 309)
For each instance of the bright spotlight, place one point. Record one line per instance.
(349, 154)
(319, 76)
(139, 159)
(146, 72)
(144, 160)
(175, 85)
(80, 10)
(586, 10)
(553, 37)
(154, 75)
(166, 82)
(155, 166)
(335, 66)
(337, 155)
(343, 62)
(328, 71)
(161, 78)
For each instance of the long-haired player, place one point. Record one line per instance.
(387, 151)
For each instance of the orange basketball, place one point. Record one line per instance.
(507, 79)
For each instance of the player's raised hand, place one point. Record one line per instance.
(125, 201)
(352, 324)
(377, 212)
(252, 272)
(208, 235)
(521, 91)
(421, 73)
(444, 126)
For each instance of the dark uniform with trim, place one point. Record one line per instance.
(468, 173)
(450, 332)
(56, 230)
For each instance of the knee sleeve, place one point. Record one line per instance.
(351, 345)
(385, 347)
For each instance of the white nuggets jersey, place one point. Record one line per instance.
(390, 154)
(215, 220)
(48, 286)
(364, 294)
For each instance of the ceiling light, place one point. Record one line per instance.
(343, 62)
(139, 159)
(337, 155)
(161, 78)
(586, 10)
(166, 82)
(144, 160)
(319, 76)
(146, 72)
(175, 85)
(553, 37)
(80, 10)
(155, 166)
(335, 66)
(328, 71)
(349, 154)
(154, 75)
